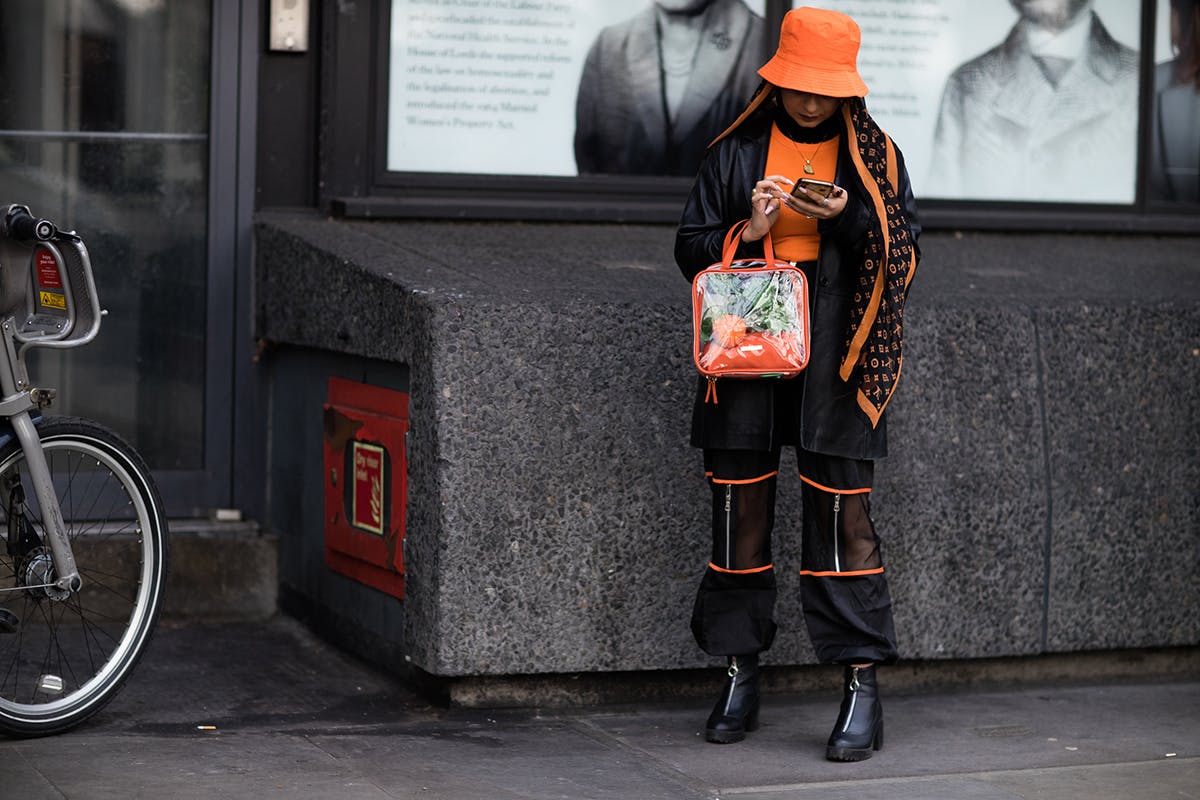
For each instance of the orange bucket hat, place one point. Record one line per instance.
(818, 52)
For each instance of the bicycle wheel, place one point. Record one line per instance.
(72, 650)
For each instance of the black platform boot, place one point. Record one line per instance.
(736, 711)
(859, 728)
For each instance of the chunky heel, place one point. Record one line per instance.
(859, 728)
(736, 710)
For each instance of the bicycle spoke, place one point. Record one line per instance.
(87, 639)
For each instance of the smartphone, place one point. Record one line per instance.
(817, 190)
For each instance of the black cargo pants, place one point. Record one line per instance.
(842, 587)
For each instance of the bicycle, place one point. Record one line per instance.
(85, 562)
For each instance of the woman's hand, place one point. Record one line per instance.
(768, 197)
(813, 205)
(765, 203)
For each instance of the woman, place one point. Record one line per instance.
(858, 251)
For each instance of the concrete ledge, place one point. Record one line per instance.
(1040, 497)
(221, 572)
(591, 689)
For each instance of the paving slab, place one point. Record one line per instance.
(266, 709)
(940, 734)
(1136, 781)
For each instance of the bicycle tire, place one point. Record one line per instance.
(72, 651)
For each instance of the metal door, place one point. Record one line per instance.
(111, 120)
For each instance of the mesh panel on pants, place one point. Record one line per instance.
(846, 603)
(735, 605)
(847, 606)
(743, 516)
(839, 536)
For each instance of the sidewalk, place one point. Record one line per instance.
(294, 718)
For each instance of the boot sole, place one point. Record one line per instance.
(856, 753)
(847, 754)
(730, 737)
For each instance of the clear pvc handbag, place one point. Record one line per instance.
(749, 317)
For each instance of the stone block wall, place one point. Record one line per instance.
(1041, 495)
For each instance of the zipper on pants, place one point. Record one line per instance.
(728, 532)
(837, 560)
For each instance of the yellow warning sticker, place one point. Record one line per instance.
(53, 300)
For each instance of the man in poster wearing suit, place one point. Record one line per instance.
(1175, 131)
(658, 87)
(1048, 115)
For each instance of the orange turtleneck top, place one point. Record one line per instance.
(794, 236)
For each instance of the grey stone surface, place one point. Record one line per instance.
(286, 715)
(1123, 410)
(961, 502)
(978, 732)
(557, 517)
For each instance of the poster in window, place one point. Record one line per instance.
(1013, 100)
(1174, 165)
(567, 87)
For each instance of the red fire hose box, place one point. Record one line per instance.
(366, 483)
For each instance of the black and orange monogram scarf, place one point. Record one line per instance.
(873, 340)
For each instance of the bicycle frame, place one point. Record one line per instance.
(47, 299)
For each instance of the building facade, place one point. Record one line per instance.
(161, 131)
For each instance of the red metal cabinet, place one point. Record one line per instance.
(366, 483)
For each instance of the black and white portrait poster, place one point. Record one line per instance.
(1021, 100)
(1173, 169)
(566, 87)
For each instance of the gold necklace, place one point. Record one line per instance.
(808, 167)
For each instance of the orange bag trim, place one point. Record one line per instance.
(711, 391)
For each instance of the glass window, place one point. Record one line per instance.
(625, 87)
(1007, 100)
(104, 128)
(1005, 109)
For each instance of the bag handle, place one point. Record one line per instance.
(733, 239)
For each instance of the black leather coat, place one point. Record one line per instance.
(817, 410)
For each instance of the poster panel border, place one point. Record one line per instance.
(354, 155)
